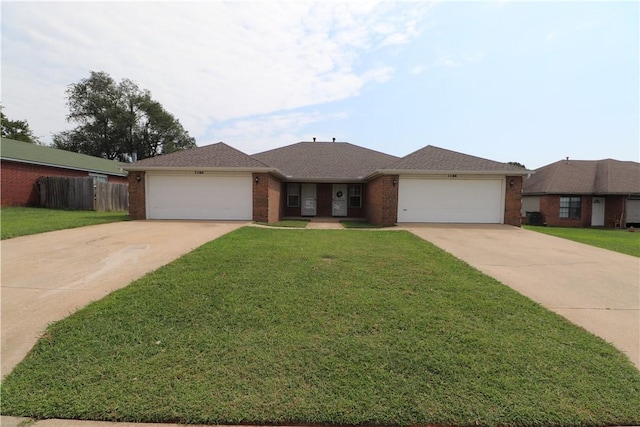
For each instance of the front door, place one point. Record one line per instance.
(308, 195)
(597, 212)
(339, 200)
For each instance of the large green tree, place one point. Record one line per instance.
(16, 129)
(119, 121)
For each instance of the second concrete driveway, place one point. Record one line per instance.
(46, 277)
(592, 287)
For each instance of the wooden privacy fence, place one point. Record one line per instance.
(84, 193)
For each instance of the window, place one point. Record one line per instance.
(293, 195)
(570, 207)
(355, 196)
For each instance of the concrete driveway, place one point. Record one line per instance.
(46, 277)
(594, 288)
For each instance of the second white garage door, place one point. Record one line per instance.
(202, 196)
(451, 200)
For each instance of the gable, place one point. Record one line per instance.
(435, 159)
(219, 155)
(325, 160)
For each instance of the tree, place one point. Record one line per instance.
(520, 165)
(17, 129)
(118, 121)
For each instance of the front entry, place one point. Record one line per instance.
(339, 200)
(308, 195)
(597, 212)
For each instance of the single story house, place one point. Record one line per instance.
(22, 163)
(325, 179)
(585, 193)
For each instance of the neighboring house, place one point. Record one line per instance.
(23, 163)
(336, 179)
(585, 193)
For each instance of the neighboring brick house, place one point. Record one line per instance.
(325, 179)
(23, 163)
(584, 193)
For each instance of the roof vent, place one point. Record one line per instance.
(567, 161)
(334, 140)
(314, 139)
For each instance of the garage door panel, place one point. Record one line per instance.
(199, 197)
(633, 211)
(453, 201)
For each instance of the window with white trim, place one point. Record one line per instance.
(293, 195)
(355, 196)
(570, 207)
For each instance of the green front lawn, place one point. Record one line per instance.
(24, 221)
(357, 224)
(275, 326)
(287, 223)
(622, 241)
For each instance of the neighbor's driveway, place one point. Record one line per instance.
(45, 277)
(592, 287)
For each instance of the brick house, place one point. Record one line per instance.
(584, 193)
(22, 163)
(326, 179)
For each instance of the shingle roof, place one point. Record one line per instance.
(606, 176)
(325, 160)
(432, 158)
(25, 152)
(218, 155)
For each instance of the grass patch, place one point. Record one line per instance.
(621, 241)
(269, 326)
(18, 221)
(288, 223)
(358, 224)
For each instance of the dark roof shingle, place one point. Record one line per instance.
(606, 176)
(325, 160)
(432, 158)
(219, 155)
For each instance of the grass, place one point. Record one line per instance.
(267, 326)
(357, 224)
(621, 241)
(17, 221)
(289, 223)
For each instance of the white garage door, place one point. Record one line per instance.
(199, 196)
(633, 211)
(451, 200)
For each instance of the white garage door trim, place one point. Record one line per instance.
(451, 200)
(199, 195)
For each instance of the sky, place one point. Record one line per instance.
(532, 82)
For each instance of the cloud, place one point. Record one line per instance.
(265, 132)
(206, 62)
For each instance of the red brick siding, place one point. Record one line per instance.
(550, 209)
(513, 200)
(614, 206)
(382, 200)
(266, 198)
(19, 181)
(137, 197)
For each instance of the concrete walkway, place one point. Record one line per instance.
(592, 287)
(46, 277)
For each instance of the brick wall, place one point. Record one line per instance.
(550, 209)
(382, 200)
(613, 208)
(267, 205)
(513, 201)
(137, 198)
(19, 181)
